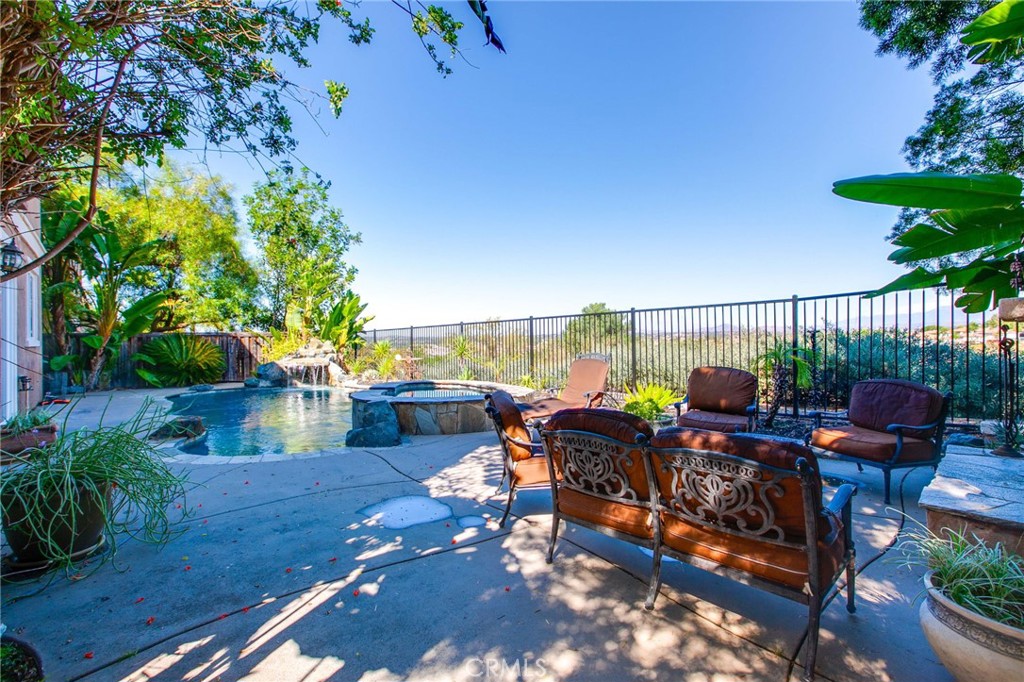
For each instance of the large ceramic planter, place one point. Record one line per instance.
(971, 646)
(78, 540)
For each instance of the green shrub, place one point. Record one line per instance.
(181, 360)
(649, 401)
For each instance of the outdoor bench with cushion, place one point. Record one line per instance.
(746, 507)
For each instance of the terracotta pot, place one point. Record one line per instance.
(79, 541)
(37, 437)
(971, 646)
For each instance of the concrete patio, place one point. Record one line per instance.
(277, 577)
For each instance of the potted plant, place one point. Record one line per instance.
(973, 614)
(25, 430)
(649, 402)
(19, 661)
(61, 503)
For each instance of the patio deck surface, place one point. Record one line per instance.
(279, 578)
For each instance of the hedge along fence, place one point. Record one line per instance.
(918, 335)
(242, 355)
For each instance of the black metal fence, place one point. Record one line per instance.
(918, 335)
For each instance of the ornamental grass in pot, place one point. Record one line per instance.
(973, 614)
(87, 487)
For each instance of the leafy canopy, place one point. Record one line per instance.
(303, 240)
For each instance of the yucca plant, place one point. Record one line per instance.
(649, 401)
(775, 370)
(181, 360)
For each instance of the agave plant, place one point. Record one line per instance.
(181, 360)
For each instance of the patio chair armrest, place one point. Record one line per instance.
(841, 498)
(838, 512)
(897, 428)
(529, 445)
(591, 396)
(684, 403)
(819, 415)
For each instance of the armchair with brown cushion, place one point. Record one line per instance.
(585, 387)
(894, 424)
(523, 460)
(598, 473)
(751, 508)
(719, 399)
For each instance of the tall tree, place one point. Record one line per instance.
(302, 240)
(80, 79)
(975, 123)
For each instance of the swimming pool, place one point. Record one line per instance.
(253, 422)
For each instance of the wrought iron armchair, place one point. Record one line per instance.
(523, 460)
(719, 399)
(585, 387)
(751, 508)
(894, 424)
(598, 473)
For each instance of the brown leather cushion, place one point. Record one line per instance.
(531, 471)
(627, 429)
(621, 426)
(512, 423)
(783, 565)
(788, 508)
(624, 518)
(876, 403)
(712, 421)
(721, 389)
(876, 446)
(585, 374)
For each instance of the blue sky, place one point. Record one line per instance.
(637, 154)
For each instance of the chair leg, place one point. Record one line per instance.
(851, 585)
(887, 477)
(655, 587)
(813, 625)
(504, 475)
(555, 520)
(860, 467)
(508, 505)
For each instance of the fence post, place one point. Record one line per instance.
(632, 348)
(410, 340)
(531, 347)
(792, 360)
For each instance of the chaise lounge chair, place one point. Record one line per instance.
(588, 379)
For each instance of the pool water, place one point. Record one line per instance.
(438, 393)
(286, 421)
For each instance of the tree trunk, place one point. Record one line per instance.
(96, 364)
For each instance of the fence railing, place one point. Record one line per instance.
(918, 335)
(242, 354)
